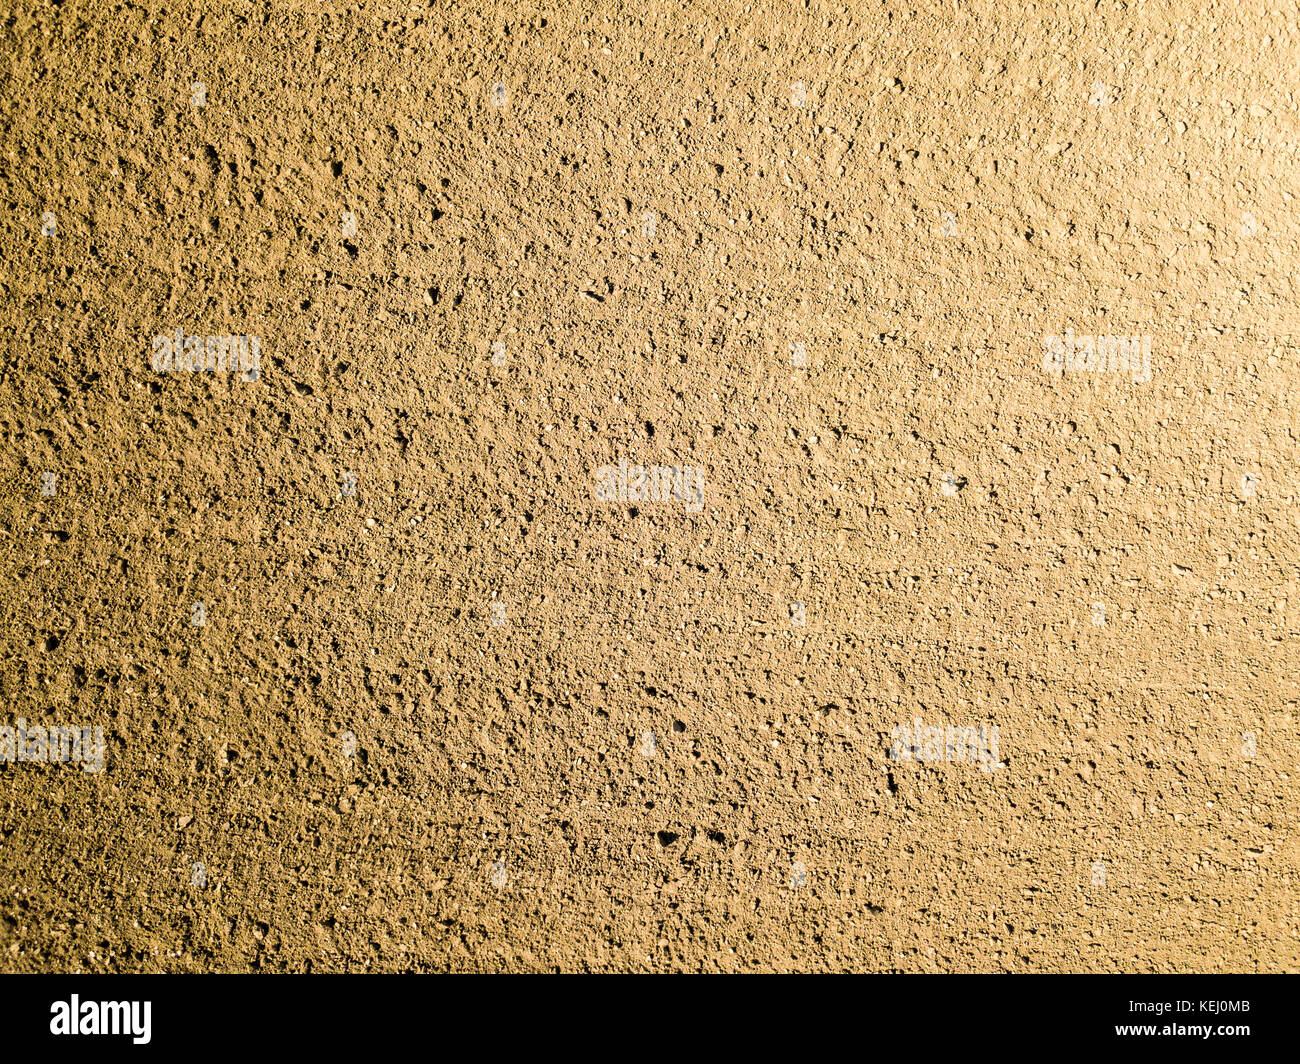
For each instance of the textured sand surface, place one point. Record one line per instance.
(388, 682)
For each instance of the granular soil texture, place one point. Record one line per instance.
(649, 487)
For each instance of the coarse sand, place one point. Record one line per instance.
(649, 487)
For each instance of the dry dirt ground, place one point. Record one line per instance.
(399, 666)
